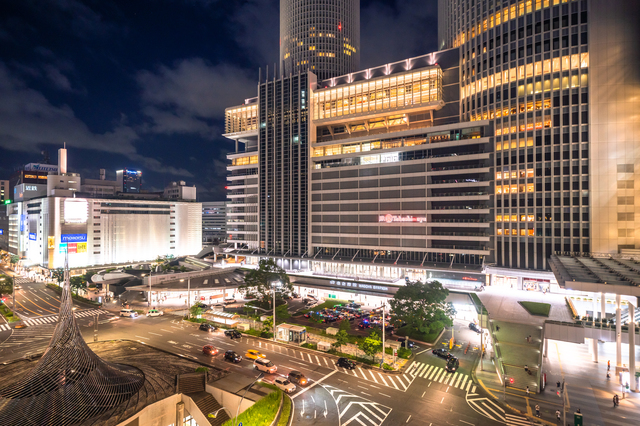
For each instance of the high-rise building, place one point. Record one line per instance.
(129, 180)
(322, 36)
(472, 164)
(561, 81)
(214, 222)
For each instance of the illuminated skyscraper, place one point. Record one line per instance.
(322, 36)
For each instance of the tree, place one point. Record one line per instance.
(422, 306)
(196, 311)
(345, 325)
(6, 285)
(58, 275)
(282, 313)
(342, 338)
(14, 259)
(371, 345)
(77, 283)
(267, 325)
(260, 281)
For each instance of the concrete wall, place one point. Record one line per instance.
(161, 413)
(229, 400)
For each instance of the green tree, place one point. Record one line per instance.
(6, 285)
(282, 313)
(371, 345)
(77, 283)
(345, 325)
(267, 325)
(423, 306)
(342, 338)
(14, 259)
(260, 281)
(196, 311)
(58, 275)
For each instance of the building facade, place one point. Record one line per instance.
(214, 222)
(553, 76)
(322, 36)
(129, 181)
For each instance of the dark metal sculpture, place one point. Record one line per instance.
(70, 384)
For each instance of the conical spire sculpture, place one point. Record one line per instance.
(70, 384)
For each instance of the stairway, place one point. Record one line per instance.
(520, 377)
(194, 386)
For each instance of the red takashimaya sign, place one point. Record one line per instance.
(390, 218)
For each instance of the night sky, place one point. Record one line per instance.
(144, 83)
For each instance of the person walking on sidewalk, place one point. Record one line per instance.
(537, 410)
(609, 365)
(558, 414)
(527, 390)
(497, 328)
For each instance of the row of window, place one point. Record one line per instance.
(514, 189)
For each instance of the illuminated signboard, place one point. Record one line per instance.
(72, 247)
(76, 211)
(81, 247)
(30, 188)
(391, 218)
(1, 231)
(32, 236)
(62, 248)
(359, 285)
(73, 238)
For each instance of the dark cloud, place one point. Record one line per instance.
(190, 96)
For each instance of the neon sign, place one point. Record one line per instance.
(390, 218)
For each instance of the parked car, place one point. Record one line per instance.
(452, 365)
(200, 305)
(346, 363)
(232, 356)
(209, 350)
(308, 314)
(442, 353)
(297, 377)
(229, 300)
(409, 343)
(475, 328)
(284, 384)
(128, 313)
(253, 354)
(234, 334)
(207, 327)
(154, 313)
(264, 365)
(364, 325)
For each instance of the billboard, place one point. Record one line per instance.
(32, 236)
(73, 238)
(391, 218)
(76, 210)
(38, 167)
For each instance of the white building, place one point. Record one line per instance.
(180, 191)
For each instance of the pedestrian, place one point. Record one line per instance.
(537, 410)
(609, 365)
(530, 339)
(558, 414)
(527, 390)
(497, 328)
(526, 368)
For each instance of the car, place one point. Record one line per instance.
(253, 354)
(209, 350)
(205, 326)
(364, 325)
(200, 305)
(234, 334)
(229, 300)
(475, 328)
(154, 313)
(346, 363)
(264, 365)
(232, 356)
(442, 353)
(409, 343)
(128, 313)
(297, 377)
(452, 365)
(284, 384)
(17, 287)
(308, 315)
(329, 319)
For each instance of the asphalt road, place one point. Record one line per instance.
(423, 395)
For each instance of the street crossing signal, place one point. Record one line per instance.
(511, 380)
(558, 393)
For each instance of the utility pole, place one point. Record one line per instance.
(189, 297)
(384, 325)
(274, 311)
(481, 345)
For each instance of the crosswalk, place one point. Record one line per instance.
(491, 410)
(52, 319)
(357, 410)
(512, 420)
(440, 375)
(4, 327)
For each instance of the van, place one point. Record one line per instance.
(128, 313)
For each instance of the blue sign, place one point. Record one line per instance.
(73, 238)
(1, 231)
(62, 248)
(32, 236)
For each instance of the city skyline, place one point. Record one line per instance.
(125, 88)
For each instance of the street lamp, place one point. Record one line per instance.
(274, 285)
(214, 414)
(260, 376)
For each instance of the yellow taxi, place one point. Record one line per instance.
(253, 354)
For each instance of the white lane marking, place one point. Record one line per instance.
(421, 352)
(382, 378)
(425, 372)
(383, 394)
(473, 389)
(459, 378)
(166, 331)
(315, 382)
(393, 383)
(155, 334)
(142, 337)
(464, 380)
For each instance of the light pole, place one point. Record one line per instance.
(214, 414)
(274, 285)
(384, 325)
(244, 394)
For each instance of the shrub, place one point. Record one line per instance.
(286, 412)
(202, 370)
(386, 366)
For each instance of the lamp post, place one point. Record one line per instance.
(274, 285)
(214, 414)
(244, 394)
(384, 325)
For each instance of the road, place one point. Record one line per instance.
(425, 394)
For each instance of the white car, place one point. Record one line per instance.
(264, 365)
(154, 313)
(128, 313)
(284, 384)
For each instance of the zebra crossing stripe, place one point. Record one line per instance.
(464, 380)
(419, 370)
(373, 376)
(4, 327)
(393, 383)
(426, 371)
(491, 409)
(412, 365)
(432, 373)
(512, 420)
(383, 379)
(469, 386)
(459, 378)
(453, 378)
(473, 389)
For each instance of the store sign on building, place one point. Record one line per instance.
(32, 236)
(391, 218)
(76, 210)
(30, 188)
(73, 238)
(361, 286)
